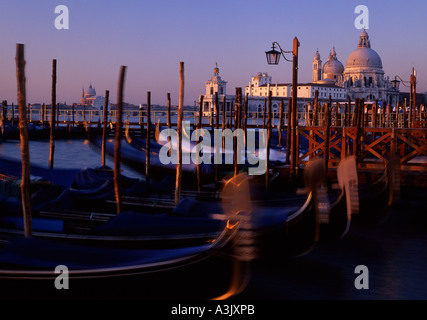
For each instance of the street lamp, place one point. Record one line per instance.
(395, 83)
(273, 57)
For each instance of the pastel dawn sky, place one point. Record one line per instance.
(152, 37)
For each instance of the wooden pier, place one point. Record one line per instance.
(373, 135)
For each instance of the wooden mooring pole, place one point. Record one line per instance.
(118, 138)
(23, 133)
(280, 128)
(327, 124)
(168, 97)
(148, 138)
(200, 127)
(13, 114)
(216, 128)
(179, 132)
(267, 155)
(52, 116)
(237, 106)
(288, 132)
(104, 129)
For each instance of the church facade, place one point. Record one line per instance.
(361, 77)
(89, 98)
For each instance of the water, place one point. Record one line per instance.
(74, 154)
(394, 252)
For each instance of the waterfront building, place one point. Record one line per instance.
(362, 77)
(216, 86)
(89, 98)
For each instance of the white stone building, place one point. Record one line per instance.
(362, 77)
(89, 98)
(216, 86)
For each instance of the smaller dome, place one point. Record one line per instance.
(90, 92)
(317, 55)
(333, 67)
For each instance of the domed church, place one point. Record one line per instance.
(362, 77)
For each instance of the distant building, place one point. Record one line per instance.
(213, 86)
(261, 85)
(89, 98)
(362, 77)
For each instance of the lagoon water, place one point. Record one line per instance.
(394, 252)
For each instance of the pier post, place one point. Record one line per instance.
(216, 127)
(281, 109)
(3, 115)
(52, 116)
(294, 159)
(148, 138)
(72, 112)
(264, 113)
(179, 132)
(23, 133)
(327, 124)
(168, 97)
(13, 114)
(42, 114)
(236, 126)
(57, 115)
(288, 132)
(104, 129)
(223, 120)
(199, 126)
(118, 138)
(267, 155)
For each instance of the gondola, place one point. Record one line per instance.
(28, 269)
(291, 228)
(135, 157)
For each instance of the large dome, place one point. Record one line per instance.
(364, 56)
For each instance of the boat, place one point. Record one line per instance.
(289, 226)
(29, 269)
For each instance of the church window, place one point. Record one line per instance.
(212, 90)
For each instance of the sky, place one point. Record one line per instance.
(152, 37)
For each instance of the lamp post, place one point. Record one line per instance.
(412, 96)
(273, 57)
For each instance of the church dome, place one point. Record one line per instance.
(317, 55)
(90, 92)
(333, 66)
(364, 56)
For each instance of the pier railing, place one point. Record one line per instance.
(373, 147)
(138, 117)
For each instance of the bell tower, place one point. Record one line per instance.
(317, 67)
